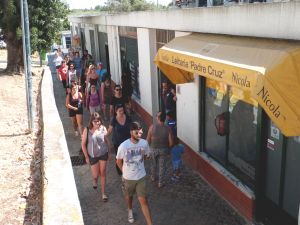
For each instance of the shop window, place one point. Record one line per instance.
(291, 194)
(230, 127)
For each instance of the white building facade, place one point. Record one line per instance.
(133, 39)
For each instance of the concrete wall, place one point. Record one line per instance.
(114, 53)
(279, 20)
(146, 38)
(60, 201)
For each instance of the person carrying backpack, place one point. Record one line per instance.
(120, 126)
(94, 100)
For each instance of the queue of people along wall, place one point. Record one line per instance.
(237, 88)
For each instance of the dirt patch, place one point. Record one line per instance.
(20, 152)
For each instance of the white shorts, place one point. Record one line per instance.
(94, 109)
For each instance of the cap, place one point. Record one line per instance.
(99, 63)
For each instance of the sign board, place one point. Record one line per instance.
(271, 144)
(128, 32)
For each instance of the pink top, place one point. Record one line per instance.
(93, 100)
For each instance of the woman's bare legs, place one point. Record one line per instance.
(79, 122)
(103, 175)
(74, 122)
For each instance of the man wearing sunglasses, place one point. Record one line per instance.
(118, 99)
(134, 152)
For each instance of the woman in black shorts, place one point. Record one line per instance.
(74, 103)
(96, 148)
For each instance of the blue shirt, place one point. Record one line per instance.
(77, 62)
(176, 153)
(120, 133)
(170, 104)
(101, 73)
(172, 125)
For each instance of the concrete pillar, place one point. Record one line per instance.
(148, 70)
(114, 53)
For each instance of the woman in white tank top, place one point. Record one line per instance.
(73, 73)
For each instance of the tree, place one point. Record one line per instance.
(45, 22)
(97, 7)
(129, 5)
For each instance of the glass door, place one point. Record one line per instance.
(279, 186)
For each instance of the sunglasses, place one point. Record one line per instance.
(96, 121)
(136, 132)
(118, 89)
(71, 66)
(92, 68)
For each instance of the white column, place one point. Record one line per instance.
(87, 39)
(147, 68)
(188, 110)
(114, 53)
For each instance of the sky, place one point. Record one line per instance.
(87, 4)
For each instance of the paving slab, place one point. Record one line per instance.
(190, 201)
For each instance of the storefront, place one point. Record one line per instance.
(249, 116)
(129, 55)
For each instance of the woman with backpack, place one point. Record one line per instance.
(120, 126)
(94, 100)
(96, 149)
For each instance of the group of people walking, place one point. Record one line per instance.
(88, 87)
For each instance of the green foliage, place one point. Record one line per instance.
(46, 19)
(132, 5)
(97, 7)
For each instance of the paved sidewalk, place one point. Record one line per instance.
(189, 201)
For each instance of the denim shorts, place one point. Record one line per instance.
(176, 164)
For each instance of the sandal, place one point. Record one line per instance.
(160, 185)
(104, 198)
(76, 133)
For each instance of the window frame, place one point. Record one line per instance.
(202, 85)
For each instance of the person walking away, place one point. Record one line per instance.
(94, 100)
(157, 135)
(62, 74)
(176, 152)
(134, 152)
(169, 97)
(88, 60)
(74, 103)
(100, 70)
(83, 84)
(172, 123)
(61, 53)
(92, 77)
(126, 83)
(72, 74)
(106, 92)
(118, 99)
(57, 62)
(120, 126)
(96, 148)
(78, 64)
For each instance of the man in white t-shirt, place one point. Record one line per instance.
(133, 152)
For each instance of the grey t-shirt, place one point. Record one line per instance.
(96, 144)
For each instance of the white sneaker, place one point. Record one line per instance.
(130, 216)
(76, 133)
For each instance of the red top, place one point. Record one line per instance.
(63, 71)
